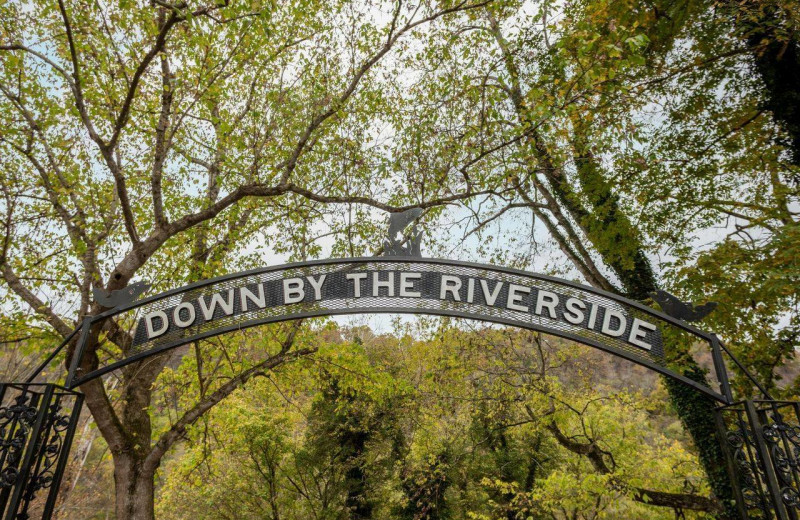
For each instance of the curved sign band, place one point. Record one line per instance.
(396, 285)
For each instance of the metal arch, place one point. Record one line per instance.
(72, 381)
(435, 261)
(398, 310)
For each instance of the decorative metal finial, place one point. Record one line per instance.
(685, 311)
(119, 297)
(394, 243)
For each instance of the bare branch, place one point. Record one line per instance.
(597, 456)
(160, 149)
(41, 308)
(179, 428)
(75, 84)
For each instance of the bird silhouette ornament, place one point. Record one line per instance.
(120, 296)
(685, 311)
(398, 222)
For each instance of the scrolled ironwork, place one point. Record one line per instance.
(762, 440)
(790, 497)
(16, 421)
(784, 446)
(36, 431)
(49, 450)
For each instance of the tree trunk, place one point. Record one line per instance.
(777, 60)
(134, 485)
(605, 225)
(127, 430)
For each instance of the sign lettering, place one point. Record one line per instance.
(402, 288)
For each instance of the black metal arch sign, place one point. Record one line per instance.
(396, 285)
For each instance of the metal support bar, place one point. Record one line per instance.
(77, 354)
(52, 355)
(744, 370)
(719, 368)
(63, 457)
(730, 465)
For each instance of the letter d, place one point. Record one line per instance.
(151, 331)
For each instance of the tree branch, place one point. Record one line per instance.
(75, 84)
(157, 47)
(646, 496)
(291, 163)
(161, 145)
(179, 428)
(40, 307)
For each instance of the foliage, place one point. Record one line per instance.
(447, 427)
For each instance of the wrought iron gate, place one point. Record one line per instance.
(761, 440)
(37, 424)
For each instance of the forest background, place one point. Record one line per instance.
(629, 145)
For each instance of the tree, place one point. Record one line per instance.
(148, 140)
(769, 30)
(576, 97)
